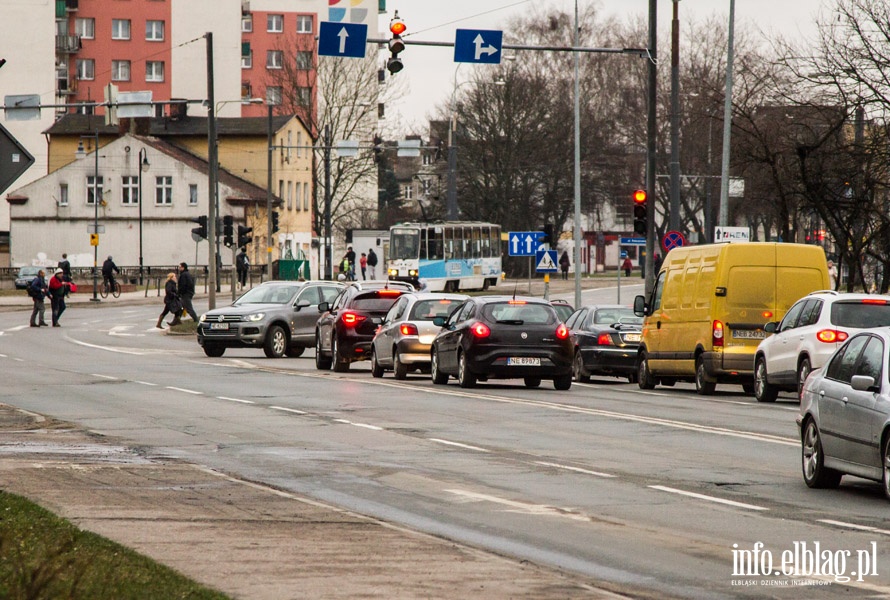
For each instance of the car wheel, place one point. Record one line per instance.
(400, 369)
(763, 391)
(339, 364)
(294, 351)
(439, 378)
(644, 377)
(578, 369)
(886, 476)
(464, 377)
(703, 387)
(376, 369)
(214, 350)
(276, 342)
(815, 473)
(803, 371)
(532, 382)
(563, 382)
(322, 362)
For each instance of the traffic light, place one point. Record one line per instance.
(640, 220)
(244, 236)
(228, 231)
(547, 238)
(274, 221)
(201, 229)
(397, 27)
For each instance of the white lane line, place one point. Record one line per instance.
(19, 359)
(854, 526)
(458, 444)
(106, 348)
(3, 356)
(178, 389)
(290, 410)
(235, 400)
(575, 469)
(707, 498)
(103, 376)
(145, 383)
(522, 507)
(365, 425)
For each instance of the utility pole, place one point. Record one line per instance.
(212, 193)
(675, 120)
(328, 271)
(269, 199)
(451, 204)
(651, 128)
(727, 122)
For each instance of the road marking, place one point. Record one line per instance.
(458, 444)
(366, 426)
(145, 383)
(178, 389)
(523, 507)
(290, 410)
(18, 328)
(576, 469)
(235, 400)
(707, 498)
(103, 376)
(122, 331)
(106, 348)
(854, 526)
(19, 359)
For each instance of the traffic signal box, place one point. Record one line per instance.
(244, 236)
(640, 212)
(547, 238)
(201, 229)
(274, 221)
(396, 45)
(228, 231)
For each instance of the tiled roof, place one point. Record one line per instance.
(72, 124)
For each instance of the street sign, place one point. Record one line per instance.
(672, 239)
(14, 159)
(91, 228)
(342, 39)
(408, 149)
(732, 234)
(14, 107)
(634, 241)
(545, 261)
(94, 239)
(481, 46)
(523, 243)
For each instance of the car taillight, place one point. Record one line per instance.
(351, 319)
(874, 301)
(717, 334)
(604, 339)
(767, 314)
(389, 292)
(562, 332)
(517, 302)
(831, 336)
(408, 329)
(480, 330)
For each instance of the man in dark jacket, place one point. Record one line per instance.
(58, 289)
(38, 290)
(65, 265)
(186, 290)
(372, 263)
(108, 271)
(242, 266)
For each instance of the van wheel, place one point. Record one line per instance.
(803, 371)
(644, 377)
(702, 386)
(763, 391)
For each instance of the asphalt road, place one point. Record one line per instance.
(660, 493)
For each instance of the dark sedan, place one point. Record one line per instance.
(606, 341)
(504, 338)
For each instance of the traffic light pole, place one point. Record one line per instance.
(328, 257)
(651, 129)
(212, 178)
(269, 200)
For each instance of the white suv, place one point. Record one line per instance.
(813, 328)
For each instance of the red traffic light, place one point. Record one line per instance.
(639, 196)
(397, 26)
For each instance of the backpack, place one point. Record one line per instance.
(32, 291)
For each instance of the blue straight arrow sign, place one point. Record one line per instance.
(342, 39)
(523, 243)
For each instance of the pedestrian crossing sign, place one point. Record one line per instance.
(545, 261)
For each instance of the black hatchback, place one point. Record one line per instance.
(504, 338)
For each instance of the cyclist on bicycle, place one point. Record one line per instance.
(108, 271)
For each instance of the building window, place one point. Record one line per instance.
(154, 31)
(305, 196)
(247, 60)
(164, 191)
(290, 195)
(273, 59)
(129, 190)
(427, 158)
(86, 68)
(63, 194)
(299, 144)
(154, 70)
(120, 70)
(85, 28)
(120, 29)
(246, 23)
(93, 186)
(275, 23)
(273, 95)
(304, 24)
(304, 60)
(193, 194)
(427, 185)
(408, 192)
(304, 96)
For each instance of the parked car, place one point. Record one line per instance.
(563, 309)
(278, 316)
(25, 276)
(812, 329)
(606, 341)
(505, 338)
(403, 340)
(844, 415)
(346, 327)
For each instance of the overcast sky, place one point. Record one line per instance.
(429, 72)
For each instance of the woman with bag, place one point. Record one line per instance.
(171, 302)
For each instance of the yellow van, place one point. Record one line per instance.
(705, 315)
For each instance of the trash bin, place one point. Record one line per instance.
(290, 270)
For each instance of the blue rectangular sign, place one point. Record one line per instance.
(545, 261)
(342, 39)
(632, 241)
(481, 46)
(523, 243)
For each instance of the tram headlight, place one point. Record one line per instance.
(393, 272)
(412, 273)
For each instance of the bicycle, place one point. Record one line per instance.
(114, 288)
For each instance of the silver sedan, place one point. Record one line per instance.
(403, 339)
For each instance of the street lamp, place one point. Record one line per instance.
(143, 166)
(94, 239)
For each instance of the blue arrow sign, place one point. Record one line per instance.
(545, 261)
(478, 46)
(523, 243)
(342, 39)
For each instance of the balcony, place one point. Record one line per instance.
(67, 44)
(66, 86)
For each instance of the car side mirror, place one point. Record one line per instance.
(324, 307)
(771, 327)
(440, 321)
(864, 383)
(640, 306)
(301, 303)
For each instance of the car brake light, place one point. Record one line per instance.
(874, 301)
(562, 332)
(604, 339)
(831, 336)
(408, 329)
(717, 334)
(351, 319)
(517, 302)
(389, 292)
(480, 330)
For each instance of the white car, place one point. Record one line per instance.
(813, 328)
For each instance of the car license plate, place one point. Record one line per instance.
(524, 361)
(749, 334)
(219, 326)
(632, 337)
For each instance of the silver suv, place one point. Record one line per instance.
(278, 316)
(812, 329)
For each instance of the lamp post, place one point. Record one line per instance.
(143, 166)
(81, 153)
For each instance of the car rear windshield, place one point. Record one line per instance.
(861, 314)
(269, 294)
(521, 313)
(610, 316)
(427, 310)
(374, 302)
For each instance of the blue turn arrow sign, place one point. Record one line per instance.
(342, 39)
(481, 46)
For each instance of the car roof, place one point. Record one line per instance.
(280, 282)
(526, 299)
(834, 295)
(416, 296)
(377, 284)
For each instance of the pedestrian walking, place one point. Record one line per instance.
(564, 264)
(58, 289)
(65, 265)
(350, 256)
(186, 290)
(372, 263)
(627, 266)
(363, 263)
(832, 275)
(172, 303)
(38, 290)
(242, 265)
